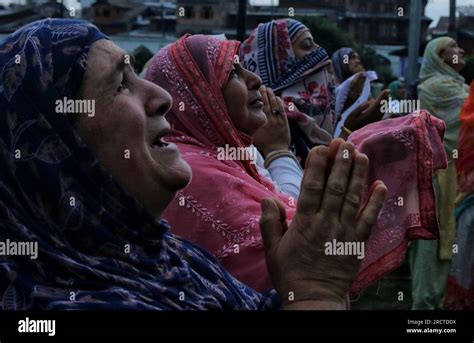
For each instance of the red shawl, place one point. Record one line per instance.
(404, 153)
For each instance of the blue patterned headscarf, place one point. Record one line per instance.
(268, 52)
(97, 247)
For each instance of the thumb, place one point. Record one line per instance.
(271, 224)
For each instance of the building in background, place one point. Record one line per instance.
(120, 16)
(381, 22)
(114, 16)
(14, 17)
(207, 17)
(220, 16)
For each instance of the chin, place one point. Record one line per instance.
(259, 120)
(176, 175)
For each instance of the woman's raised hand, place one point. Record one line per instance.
(305, 270)
(275, 134)
(367, 113)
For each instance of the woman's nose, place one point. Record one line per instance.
(159, 101)
(253, 80)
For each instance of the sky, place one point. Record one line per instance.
(434, 9)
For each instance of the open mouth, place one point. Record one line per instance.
(159, 141)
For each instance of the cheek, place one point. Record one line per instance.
(235, 96)
(117, 127)
(299, 53)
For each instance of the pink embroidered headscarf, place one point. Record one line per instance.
(404, 153)
(220, 209)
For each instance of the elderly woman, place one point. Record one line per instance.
(88, 188)
(442, 92)
(346, 62)
(283, 53)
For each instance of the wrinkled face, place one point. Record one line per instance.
(303, 44)
(354, 66)
(127, 129)
(453, 56)
(243, 100)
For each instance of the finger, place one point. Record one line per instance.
(266, 102)
(338, 180)
(351, 205)
(368, 216)
(281, 208)
(332, 151)
(333, 148)
(282, 118)
(365, 105)
(383, 95)
(272, 99)
(281, 105)
(312, 185)
(361, 108)
(272, 223)
(369, 107)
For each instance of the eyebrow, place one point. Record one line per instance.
(120, 66)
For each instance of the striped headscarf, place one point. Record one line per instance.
(268, 53)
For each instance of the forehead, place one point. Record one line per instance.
(303, 35)
(104, 55)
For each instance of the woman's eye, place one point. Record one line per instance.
(308, 44)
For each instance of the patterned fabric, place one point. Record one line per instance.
(460, 288)
(97, 247)
(268, 53)
(404, 154)
(220, 208)
(305, 85)
(442, 92)
(340, 68)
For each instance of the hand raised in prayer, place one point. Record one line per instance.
(367, 113)
(355, 90)
(275, 135)
(307, 274)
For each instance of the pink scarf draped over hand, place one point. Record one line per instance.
(404, 153)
